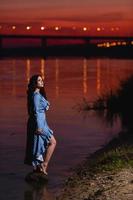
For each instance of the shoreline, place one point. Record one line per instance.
(107, 174)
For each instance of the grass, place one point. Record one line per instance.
(115, 159)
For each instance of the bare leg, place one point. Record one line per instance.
(48, 154)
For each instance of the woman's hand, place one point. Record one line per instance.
(48, 104)
(39, 131)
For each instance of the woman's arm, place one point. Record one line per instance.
(37, 113)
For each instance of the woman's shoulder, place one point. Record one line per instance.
(40, 96)
(36, 95)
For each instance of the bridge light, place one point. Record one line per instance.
(132, 42)
(112, 29)
(100, 45)
(117, 28)
(113, 44)
(42, 28)
(13, 27)
(28, 27)
(56, 28)
(84, 29)
(124, 43)
(98, 29)
(107, 44)
(118, 43)
(74, 27)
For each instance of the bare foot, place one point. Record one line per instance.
(44, 168)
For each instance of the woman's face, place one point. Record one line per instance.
(40, 82)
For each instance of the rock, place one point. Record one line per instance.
(36, 179)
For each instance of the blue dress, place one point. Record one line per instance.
(37, 143)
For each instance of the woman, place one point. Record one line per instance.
(40, 140)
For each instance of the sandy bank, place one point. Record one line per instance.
(106, 175)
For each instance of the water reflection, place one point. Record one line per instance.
(56, 78)
(13, 78)
(28, 68)
(67, 81)
(98, 78)
(43, 68)
(38, 193)
(84, 76)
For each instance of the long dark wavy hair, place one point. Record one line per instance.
(31, 88)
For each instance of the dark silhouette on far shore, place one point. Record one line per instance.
(70, 50)
(120, 47)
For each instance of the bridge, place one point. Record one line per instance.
(44, 38)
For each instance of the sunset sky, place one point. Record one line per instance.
(111, 17)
